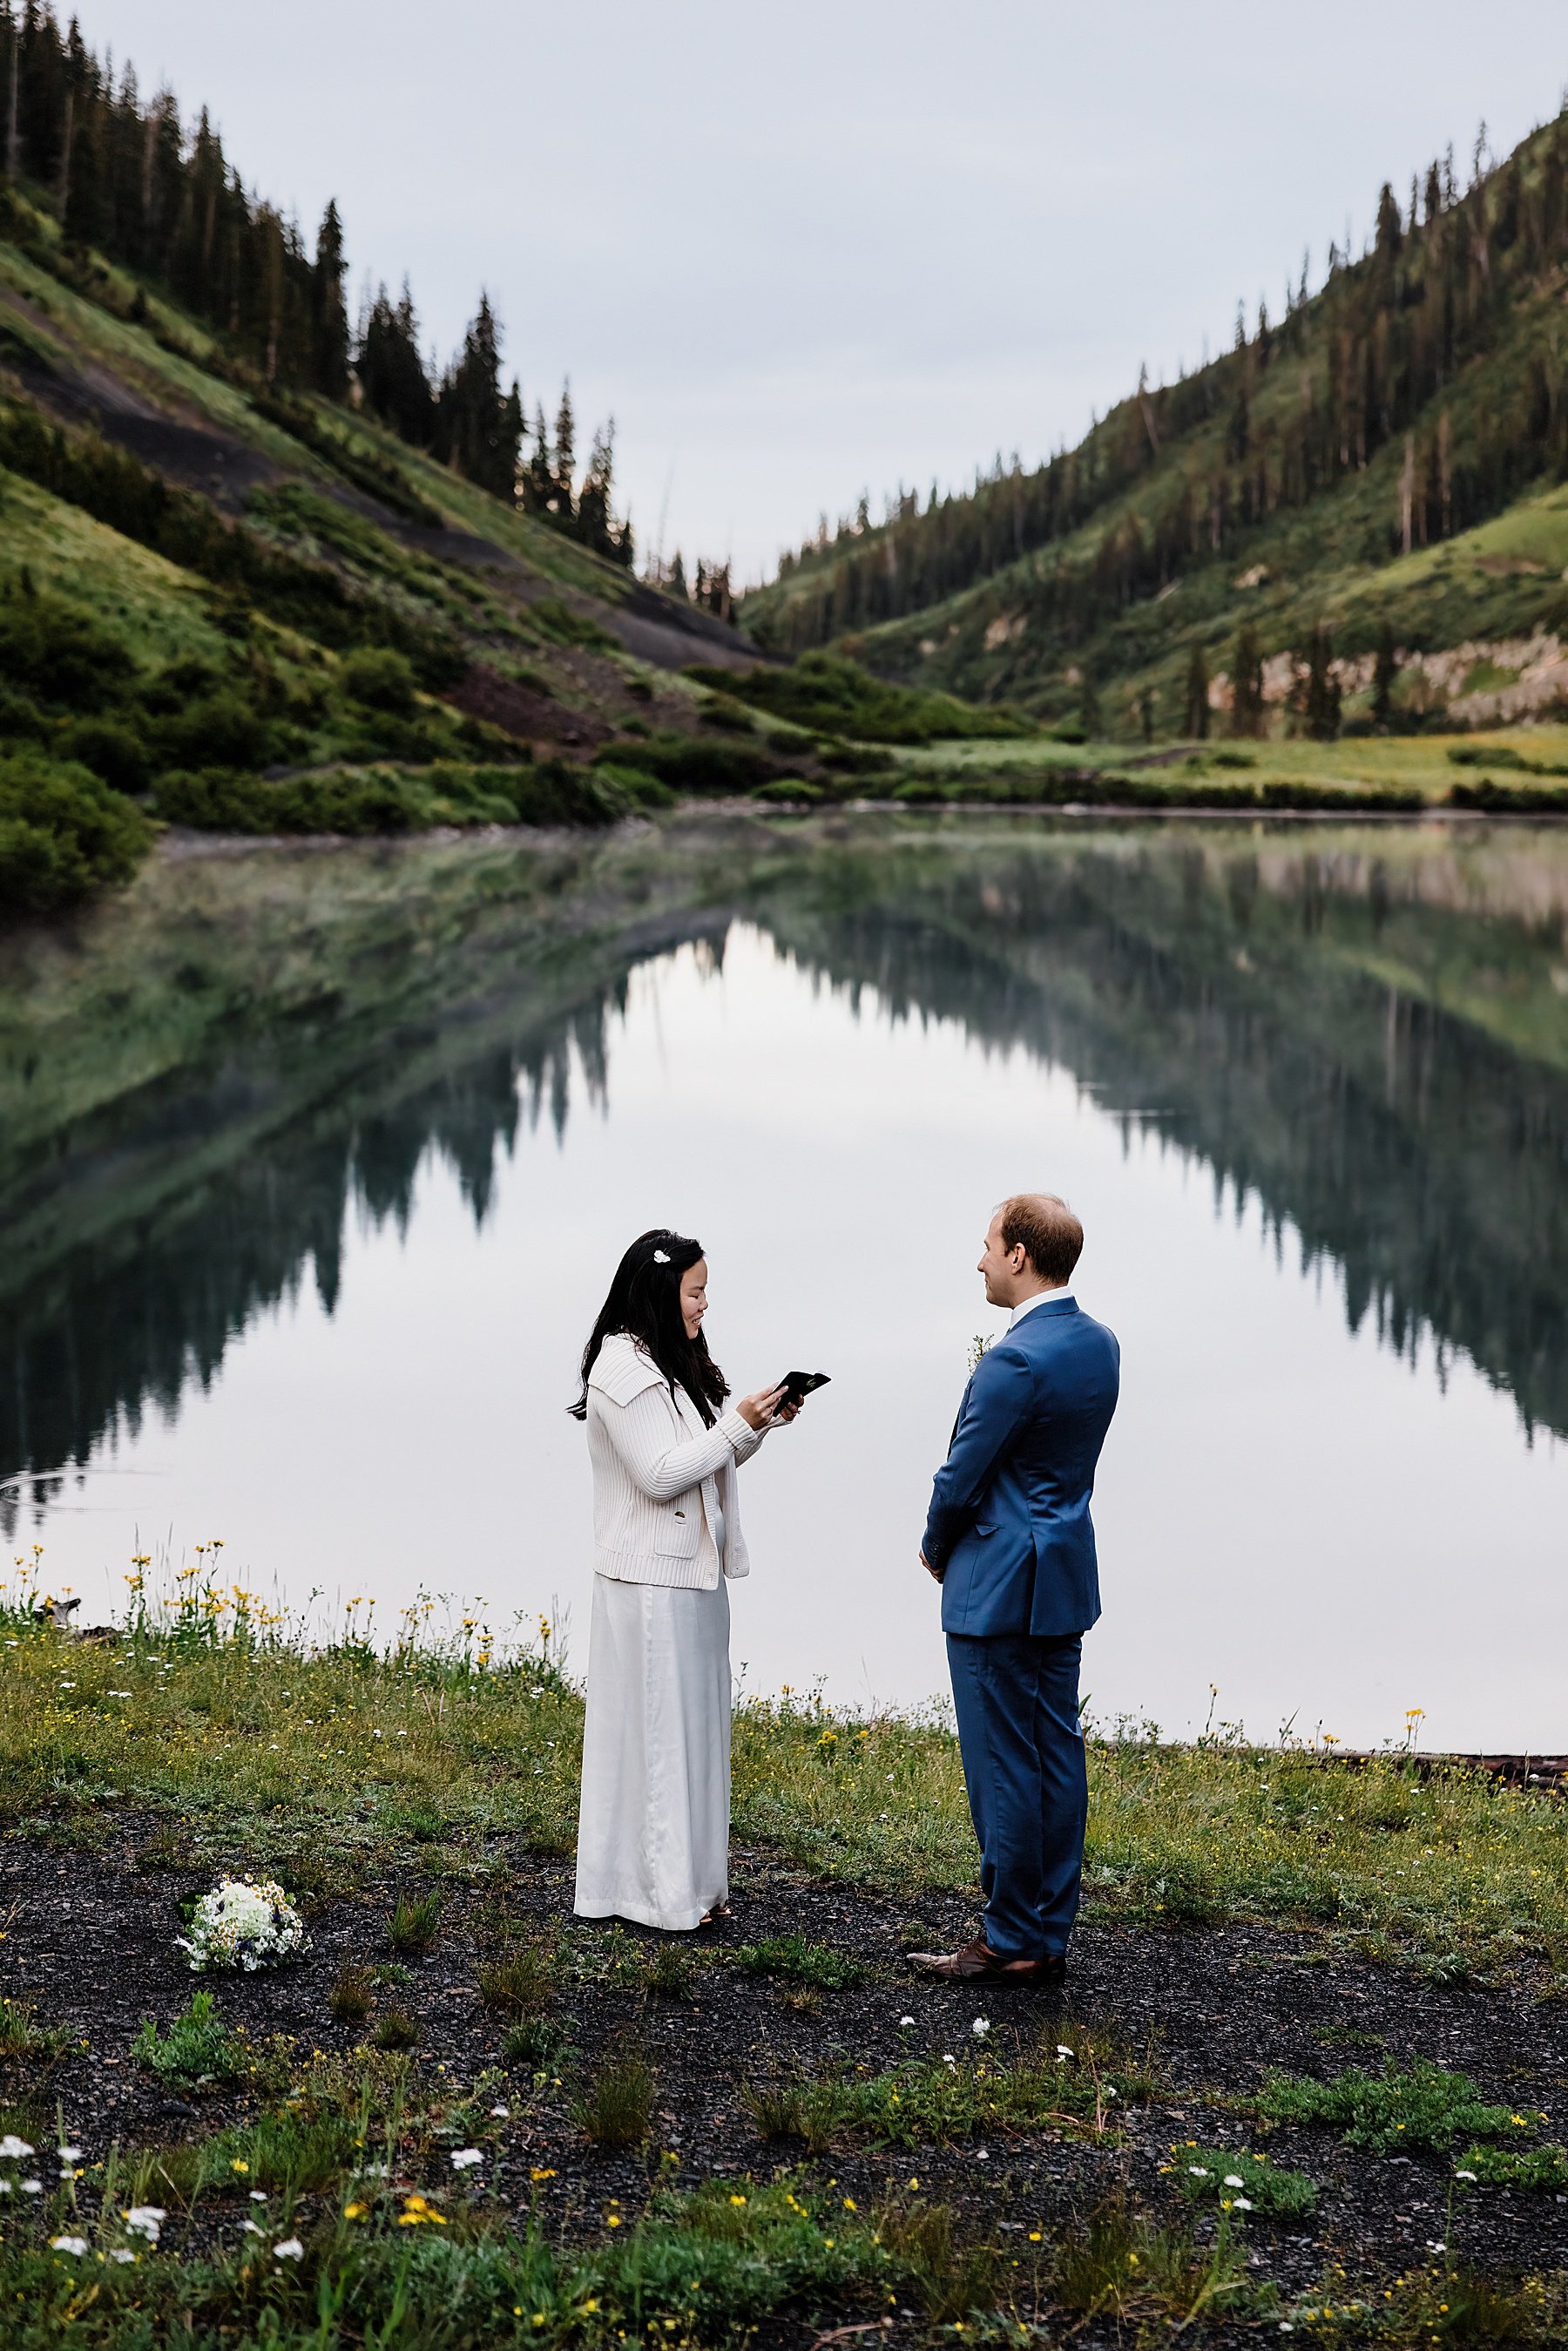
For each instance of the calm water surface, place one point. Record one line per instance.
(315, 1167)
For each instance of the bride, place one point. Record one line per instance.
(653, 1834)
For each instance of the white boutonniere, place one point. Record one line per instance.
(977, 1348)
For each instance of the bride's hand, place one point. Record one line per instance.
(762, 1410)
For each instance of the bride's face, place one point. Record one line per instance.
(694, 1296)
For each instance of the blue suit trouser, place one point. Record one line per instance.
(1016, 1697)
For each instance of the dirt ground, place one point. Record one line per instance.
(89, 1938)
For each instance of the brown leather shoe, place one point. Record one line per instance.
(977, 1963)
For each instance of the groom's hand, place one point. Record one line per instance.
(934, 1572)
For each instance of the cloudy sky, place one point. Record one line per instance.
(803, 251)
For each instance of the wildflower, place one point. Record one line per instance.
(69, 2154)
(287, 2249)
(981, 2027)
(1201, 2171)
(465, 2158)
(12, 2149)
(904, 2022)
(1242, 2204)
(948, 2061)
(1234, 2179)
(1064, 2052)
(239, 2164)
(502, 2111)
(145, 2221)
(32, 2186)
(538, 2174)
(355, 2211)
(120, 2255)
(737, 2199)
(1035, 2235)
(258, 2195)
(1465, 2175)
(68, 2244)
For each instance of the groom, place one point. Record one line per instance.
(1010, 1542)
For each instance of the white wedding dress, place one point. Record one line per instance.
(653, 1839)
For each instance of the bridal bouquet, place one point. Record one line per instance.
(245, 1922)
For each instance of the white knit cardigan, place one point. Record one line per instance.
(659, 1476)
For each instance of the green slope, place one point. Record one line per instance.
(1418, 397)
(259, 611)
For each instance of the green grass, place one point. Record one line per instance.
(1449, 1869)
(1070, 2080)
(792, 1959)
(616, 2109)
(1422, 2108)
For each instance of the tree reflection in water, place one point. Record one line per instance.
(1365, 1030)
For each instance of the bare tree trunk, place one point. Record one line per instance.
(1408, 494)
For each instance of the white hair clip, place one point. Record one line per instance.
(661, 1257)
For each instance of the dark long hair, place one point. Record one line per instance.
(644, 1302)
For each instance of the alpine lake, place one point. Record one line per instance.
(316, 1161)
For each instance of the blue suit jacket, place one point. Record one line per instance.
(1010, 1530)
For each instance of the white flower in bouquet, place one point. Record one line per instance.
(245, 1922)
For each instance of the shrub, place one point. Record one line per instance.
(829, 694)
(217, 800)
(59, 653)
(63, 836)
(220, 730)
(688, 763)
(115, 753)
(531, 2041)
(397, 2029)
(616, 2108)
(300, 2153)
(198, 2046)
(381, 678)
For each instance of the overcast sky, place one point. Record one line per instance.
(807, 249)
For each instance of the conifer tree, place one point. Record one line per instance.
(1247, 690)
(1322, 704)
(539, 474)
(1198, 696)
(329, 318)
(564, 500)
(1384, 670)
(676, 583)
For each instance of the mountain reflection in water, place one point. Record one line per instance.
(220, 1082)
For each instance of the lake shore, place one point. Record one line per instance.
(693, 2139)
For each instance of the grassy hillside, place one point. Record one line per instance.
(224, 605)
(1385, 466)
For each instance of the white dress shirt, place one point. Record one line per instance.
(1041, 1298)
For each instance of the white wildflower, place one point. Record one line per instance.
(463, 2159)
(146, 2220)
(981, 2027)
(1062, 2052)
(1242, 2204)
(245, 1922)
(1465, 2175)
(502, 2112)
(1198, 2170)
(121, 2254)
(904, 2022)
(289, 2249)
(32, 2186)
(68, 2244)
(12, 2149)
(1234, 2179)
